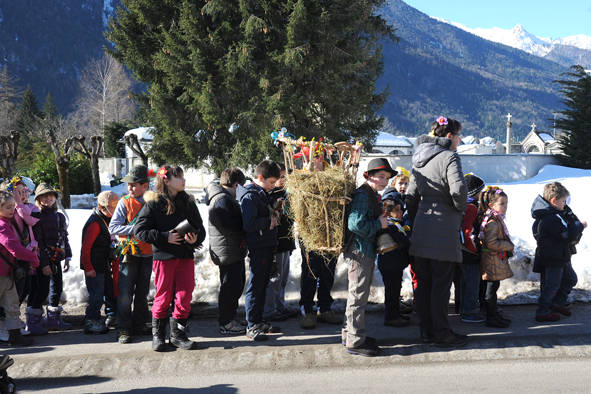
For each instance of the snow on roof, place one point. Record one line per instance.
(387, 139)
(488, 141)
(143, 133)
(469, 139)
(546, 137)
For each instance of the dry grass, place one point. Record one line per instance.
(317, 204)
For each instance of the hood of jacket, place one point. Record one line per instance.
(541, 208)
(427, 148)
(241, 191)
(212, 190)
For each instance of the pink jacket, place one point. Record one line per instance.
(23, 218)
(11, 241)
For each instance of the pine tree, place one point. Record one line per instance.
(576, 118)
(27, 124)
(255, 65)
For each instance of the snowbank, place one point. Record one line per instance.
(521, 288)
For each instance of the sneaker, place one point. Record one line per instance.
(401, 321)
(497, 322)
(563, 310)
(124, 336)
(329, 317)
(472, 318)
(367, 349)
(270, 329)
(308, 321)
(95, 327)
(111, 321)
(451, 341)
(232, 328)
(256, 333)
(549, 317)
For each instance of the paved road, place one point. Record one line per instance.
(295, 360)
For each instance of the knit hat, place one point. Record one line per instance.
(474, 184)
(45, 188)
(392, 195)
(138, 174)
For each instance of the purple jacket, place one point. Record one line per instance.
(12, 243)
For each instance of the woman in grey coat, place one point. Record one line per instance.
(436, 201)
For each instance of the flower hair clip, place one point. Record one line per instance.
(13, 182)
(162, 172)
(442, 121)
(151, 173)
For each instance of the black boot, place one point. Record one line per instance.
(178, 334)
(15, 338)
(159, 334)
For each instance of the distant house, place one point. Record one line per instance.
(393, 144)
(540, 142)
(472, 145)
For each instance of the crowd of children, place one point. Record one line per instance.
(127, 239)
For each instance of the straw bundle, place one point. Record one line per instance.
(317, 202)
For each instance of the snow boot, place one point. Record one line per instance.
(54, 319)
(35, 321)
(159, 334)
(178, 334)
(15, 338)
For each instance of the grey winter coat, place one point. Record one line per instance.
(227, 240)
(436, 200)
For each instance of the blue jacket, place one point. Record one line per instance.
(397, 258)
(364, 220)
(256, 217)
(556, 233)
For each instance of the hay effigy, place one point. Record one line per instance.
(319, 190)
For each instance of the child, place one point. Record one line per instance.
(470, 266)
(556, 230)
(364, 222)
(174, 265)
(496, 250)
(227, 246)
(10, 250)
(95, 260)
(401, 180)
(52, 235)
(261, 239)
(135, 267)
(393, 263)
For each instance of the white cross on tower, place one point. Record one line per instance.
(533, 126)
(509, 117)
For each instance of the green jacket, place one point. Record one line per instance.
(364, 220)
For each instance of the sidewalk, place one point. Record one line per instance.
(74, 354)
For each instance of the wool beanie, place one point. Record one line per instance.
(474, 184)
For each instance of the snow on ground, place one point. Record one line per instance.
(522, 288)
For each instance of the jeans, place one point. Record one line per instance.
(109, 297)
(260, 269)
(556, 284)
(470, 288)
(491, 297)
(232, 279)
(317, 275)
(56, 286)
(96, 293)
(39, 289)
(275, 296)
(432, 295)
(133, 286)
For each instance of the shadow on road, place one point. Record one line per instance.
(216, 388)
(42, 384)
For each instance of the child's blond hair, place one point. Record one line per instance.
(5, 197)
(555, 190)
(399, 177)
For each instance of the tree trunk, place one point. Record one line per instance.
(8, 153)
(63, 172)
(96, 180)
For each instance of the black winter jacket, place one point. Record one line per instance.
(227, 240)
(256, 217)
(153, 225)
(285, 240)
(397, 258)
(51, 231)
(556, 232)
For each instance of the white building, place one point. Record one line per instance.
(540, 142)
(393, 144)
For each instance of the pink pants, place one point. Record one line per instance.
(173, 277)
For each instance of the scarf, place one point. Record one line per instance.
(488, 215)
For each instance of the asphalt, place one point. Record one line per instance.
(73, 354)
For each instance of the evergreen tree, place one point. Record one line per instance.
(50, 110)
(223, 74)
(27, 124)
(576, 118)
(114, 146)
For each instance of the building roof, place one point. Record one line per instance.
(387, 139)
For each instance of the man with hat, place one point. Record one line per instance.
(135, 266)
(364, 221)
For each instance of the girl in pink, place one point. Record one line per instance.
(11, 249)
(174, 265)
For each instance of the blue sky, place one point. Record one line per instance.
(546, 18)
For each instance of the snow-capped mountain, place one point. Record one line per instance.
(519, 38)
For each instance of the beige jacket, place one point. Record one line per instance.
(492, 266)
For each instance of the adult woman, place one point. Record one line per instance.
(436, 200)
